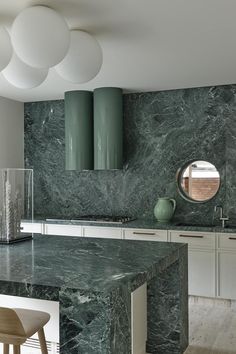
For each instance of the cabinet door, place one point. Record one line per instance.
(63, 230)
(102, 232)
(145, 235)
(201, 273)
(226, 275)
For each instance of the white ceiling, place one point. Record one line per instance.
(148, 45)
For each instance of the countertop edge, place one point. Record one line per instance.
(140, 224)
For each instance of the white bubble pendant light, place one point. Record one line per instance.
(23, 76)
(5, 48)
(40, 37)
(83, 60)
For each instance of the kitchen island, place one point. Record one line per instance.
(93, 279)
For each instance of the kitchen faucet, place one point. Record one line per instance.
(222, 217)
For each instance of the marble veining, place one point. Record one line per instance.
(93, 280)
(162, 130)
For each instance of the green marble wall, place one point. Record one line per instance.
(162, 130)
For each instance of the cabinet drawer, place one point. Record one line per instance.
(194, 239)
(63, 230)
(227, 241)
(145, 234)
(103, 232)
(29, 227)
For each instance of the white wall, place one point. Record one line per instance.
(11, 133)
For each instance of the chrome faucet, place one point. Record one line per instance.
(223, 218)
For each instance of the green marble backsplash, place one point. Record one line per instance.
(162, 130)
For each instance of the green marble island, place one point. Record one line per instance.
(93, 280)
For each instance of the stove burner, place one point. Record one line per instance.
(104, 219)
(97, 219)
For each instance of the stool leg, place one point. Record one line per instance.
(5, 348)
(42, 341)
(16, 349)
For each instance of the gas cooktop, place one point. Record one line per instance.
(97, 219)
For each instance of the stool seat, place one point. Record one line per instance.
(32, 321)
(17, 325)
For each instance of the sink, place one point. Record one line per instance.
(193, 224)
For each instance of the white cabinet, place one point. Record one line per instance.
(29, 227)
(145, 235)
(63, 230)
(201, 272)
(226, 275)
(201, 261)
(226, 265)
(102, 232)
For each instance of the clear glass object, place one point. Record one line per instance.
(16, 203)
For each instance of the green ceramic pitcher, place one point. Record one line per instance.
(164, 209)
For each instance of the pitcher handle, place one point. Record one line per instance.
(174, 204)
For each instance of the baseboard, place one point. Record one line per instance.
(212, 301)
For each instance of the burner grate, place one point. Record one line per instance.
(97, 219)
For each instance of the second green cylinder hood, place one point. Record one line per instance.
(108, 128)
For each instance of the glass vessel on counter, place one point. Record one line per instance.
(16, 203)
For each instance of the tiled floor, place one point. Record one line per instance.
(212, 328)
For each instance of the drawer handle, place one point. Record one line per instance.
(192, 236)
(144, 233)
(232, 238)
(22, 228)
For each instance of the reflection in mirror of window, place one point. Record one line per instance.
(199, 181)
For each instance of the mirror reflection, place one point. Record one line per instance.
(199, 181)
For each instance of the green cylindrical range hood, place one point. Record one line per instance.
(108, 128)
(79, 130)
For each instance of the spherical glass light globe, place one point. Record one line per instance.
(23, 76)
(5, 48)
(83, 60)
(40, 37)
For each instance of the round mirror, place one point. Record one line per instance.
(198, 181)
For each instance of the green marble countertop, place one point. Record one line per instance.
(92, 279)
(145, 224)
(84, 263)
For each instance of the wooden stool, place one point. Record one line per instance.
(17, 325)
